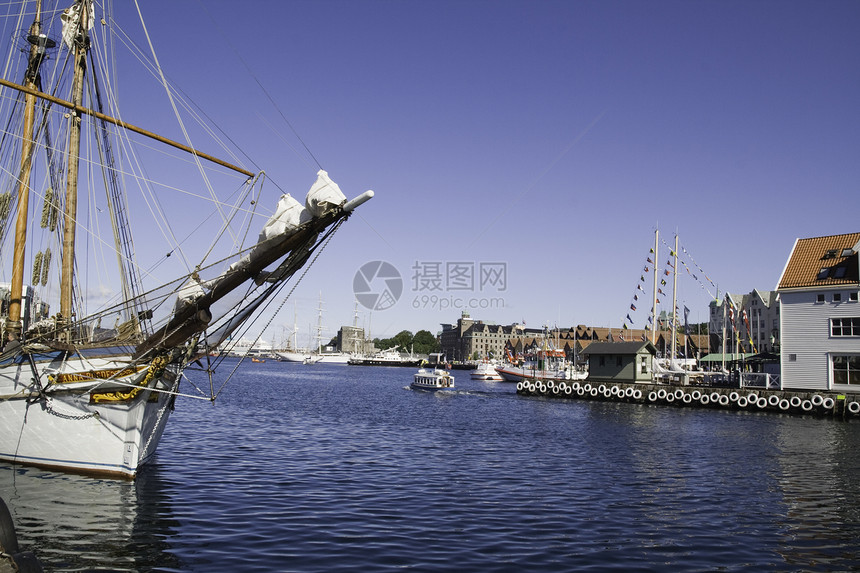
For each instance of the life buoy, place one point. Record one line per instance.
(724, 400)
(795, 401)
(629, 392)
(752, 397)
(594, 392)
(828, 403)
(705, 400)
(784, 404)
(854, 407)
(742, 402)
(652, 396)
(661, 393)
(686, 398)
(734, 396)
(817, 400)
(637, 395)
(761, 402)
(679, 394)
(715, 397)
(670, 397)
(520, 386)
(568, 390)
(773, 400)
(806, 405)
(697, 395)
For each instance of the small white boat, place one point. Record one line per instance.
(436, 379)
(486, 371)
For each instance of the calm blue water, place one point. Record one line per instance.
(339, 468)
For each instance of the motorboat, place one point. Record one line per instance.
(486, 371)
(432, 379)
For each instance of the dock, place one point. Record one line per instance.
(819, 403)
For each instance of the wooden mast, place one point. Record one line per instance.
(80, 110)
(14, 325)
(675, 300)
(81, 43)
(654, 305)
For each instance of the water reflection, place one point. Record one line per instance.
(76, 522)
(818, 474)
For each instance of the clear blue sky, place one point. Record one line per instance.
(551, 136)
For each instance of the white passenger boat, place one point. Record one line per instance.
(435, 379)
(486, 371)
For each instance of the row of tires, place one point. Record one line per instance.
(734, 399)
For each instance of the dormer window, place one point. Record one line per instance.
(847, 252)
(830, 254)
(822, 274)
(839, 272)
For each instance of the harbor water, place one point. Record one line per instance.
(343, 468)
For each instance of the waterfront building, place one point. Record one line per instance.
(473, 339)
(686, 345)
(620, 361)
(820, 314)
(351, 339)
(751, 322)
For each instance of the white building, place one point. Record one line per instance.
(820, 314)
(756, 322)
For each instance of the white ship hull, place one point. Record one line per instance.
(313, 357)
(66, 428)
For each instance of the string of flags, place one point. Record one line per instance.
(743, 318)
(692, 269)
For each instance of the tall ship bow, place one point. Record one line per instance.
(93, 353)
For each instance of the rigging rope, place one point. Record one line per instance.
(307, 267)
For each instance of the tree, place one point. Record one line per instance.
(425, 343)
(403, 340)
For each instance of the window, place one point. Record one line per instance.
(852, 296)
(822, 274)
(618, 361)
(602, 361)
(837, 297)
(846, 369)
(839, 272)
(845, 326)
(792, 357)
(819, 297)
